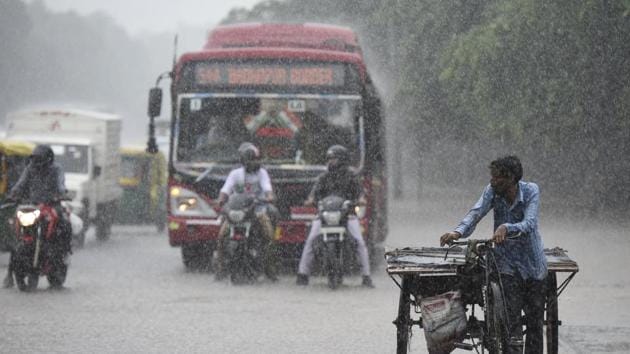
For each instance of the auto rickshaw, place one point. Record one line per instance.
(14, 156)
(143, 180)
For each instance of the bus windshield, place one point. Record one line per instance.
(291, 129)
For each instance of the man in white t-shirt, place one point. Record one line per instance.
(252, 179)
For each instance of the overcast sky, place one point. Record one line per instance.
(154, 15)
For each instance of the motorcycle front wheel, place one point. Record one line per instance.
(242, 267)
(26, 277)
(334, 265)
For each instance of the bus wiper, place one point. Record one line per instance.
(212, 166)
(205, 173)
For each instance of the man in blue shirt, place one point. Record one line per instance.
(521, 261)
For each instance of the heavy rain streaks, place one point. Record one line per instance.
(461, 83)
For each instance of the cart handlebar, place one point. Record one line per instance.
(487, 241)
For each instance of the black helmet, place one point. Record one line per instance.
(337, 157)
(42, 156)
(250, 157)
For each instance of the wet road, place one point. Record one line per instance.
(131, 294)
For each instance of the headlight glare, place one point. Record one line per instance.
(185, 202)
(27, 218)
(175, 191)
(360, 211)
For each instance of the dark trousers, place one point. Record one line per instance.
(529, 297)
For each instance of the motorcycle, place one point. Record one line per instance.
(40, 248)
(334, 245)
(245, 244)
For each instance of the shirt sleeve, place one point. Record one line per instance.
(20, 186)
(61, 181)
(228, 186)
(265, 181)
(530, 216)
(481, 208)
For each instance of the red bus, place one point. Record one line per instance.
(292, 96)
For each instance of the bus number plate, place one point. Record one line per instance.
(296, 106)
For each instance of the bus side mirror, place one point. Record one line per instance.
(96, 171)
(155, 102)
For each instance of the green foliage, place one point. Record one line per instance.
(548, 81)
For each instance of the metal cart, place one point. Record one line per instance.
(428, 271)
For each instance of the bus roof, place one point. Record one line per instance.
(273, 53)
(304, 35)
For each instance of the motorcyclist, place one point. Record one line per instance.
(253, 179)
(342, 181)
(43, 181)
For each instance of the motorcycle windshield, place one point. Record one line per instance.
(239, 201)
(331, 203)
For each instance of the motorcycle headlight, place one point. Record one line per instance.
(27, 218)
(236, 215)
(331, 217)
(185, 202)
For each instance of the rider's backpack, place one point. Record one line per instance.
(444, 321)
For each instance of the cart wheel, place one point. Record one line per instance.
(552, 314)
(403, 322)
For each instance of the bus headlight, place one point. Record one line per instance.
(27, 218)
(185, 202)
